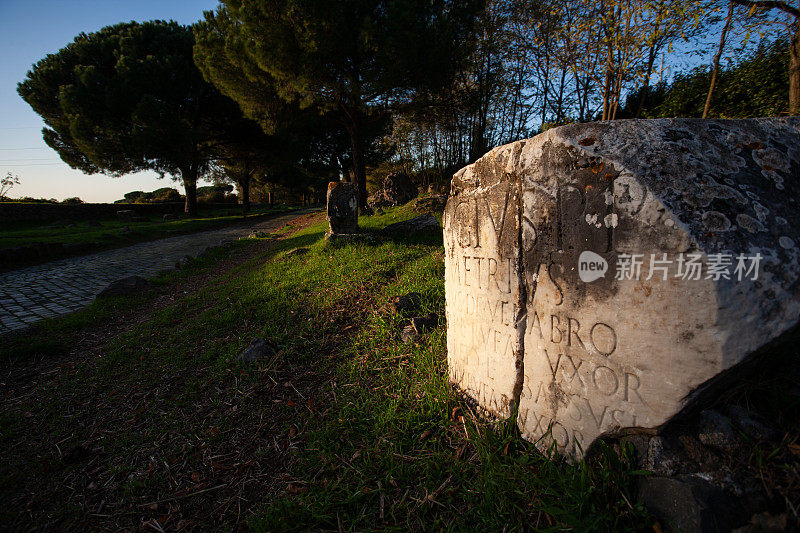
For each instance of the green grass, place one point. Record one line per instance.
(378, 441)
(83, 238)
(393, 441)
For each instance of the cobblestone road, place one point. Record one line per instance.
(60, 287)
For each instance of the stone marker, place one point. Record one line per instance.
(342, 207)
(598, 275)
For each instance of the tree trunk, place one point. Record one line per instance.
(244, 185)
(794, 70)
(359, 168)
(189, 176)
(717, 58)
(651, 59)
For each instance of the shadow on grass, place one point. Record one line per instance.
(52, 336)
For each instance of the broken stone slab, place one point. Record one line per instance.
(600, 276)
(432, 203)
(407, 228)
(125, 287)
(342, 207)
(398, 189)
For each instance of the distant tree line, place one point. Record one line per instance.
(219, 193)
(273, 95)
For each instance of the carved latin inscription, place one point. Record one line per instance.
(482, 295)
(583, 357)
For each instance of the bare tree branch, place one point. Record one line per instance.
(770, 4)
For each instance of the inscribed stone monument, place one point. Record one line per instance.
(342, 207)
(598, 275)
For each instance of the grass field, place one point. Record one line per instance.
(79, 237)
(137, 412)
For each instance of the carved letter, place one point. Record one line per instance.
(574, 331)
(553, 328)
(605, 336)
(611, 384)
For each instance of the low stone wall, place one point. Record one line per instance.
(599, 275)
(25, 212)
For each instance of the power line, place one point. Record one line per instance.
(27, 159)
(31, 164)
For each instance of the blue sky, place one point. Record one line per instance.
(29, 30)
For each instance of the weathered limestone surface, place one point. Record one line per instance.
(586, 358)
(342, 207)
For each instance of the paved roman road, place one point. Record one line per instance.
(60, 287)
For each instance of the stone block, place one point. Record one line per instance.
(343, 207)
(598, 276)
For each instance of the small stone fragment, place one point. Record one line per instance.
(716, 431)
(297, 252)
(184, 261)
(258, 349)
(661, 459)
(409, 335)
(433, 203)
(349, 238)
